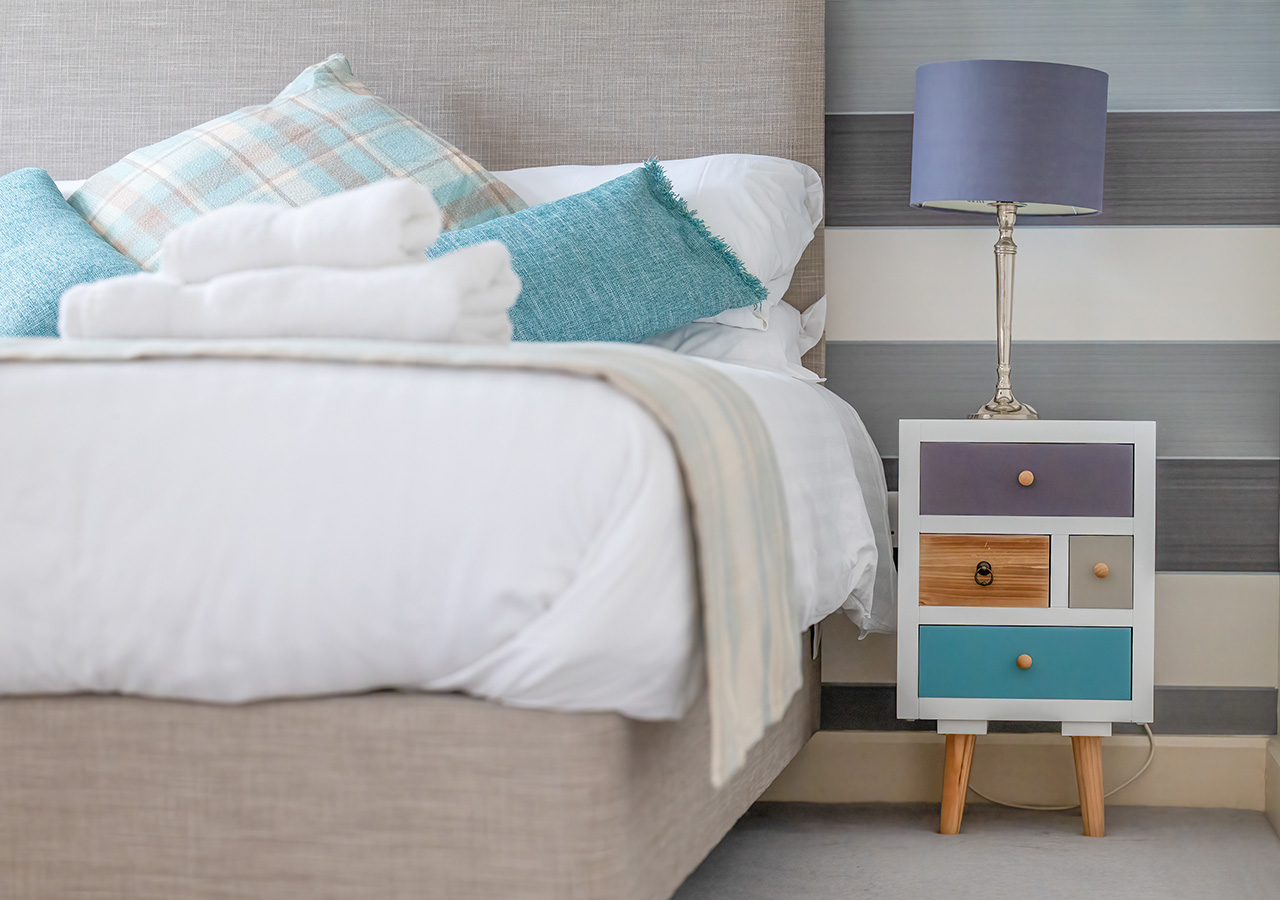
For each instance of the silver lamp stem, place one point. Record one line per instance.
(1003, 405)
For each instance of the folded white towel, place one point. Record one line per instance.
(387, 223)
(462, 296)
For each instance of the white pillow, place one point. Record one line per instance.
(68, 187)
(765, 208)
(788, 335)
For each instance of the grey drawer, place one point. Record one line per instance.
(981, 479)
(1114, 589)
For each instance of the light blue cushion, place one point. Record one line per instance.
(621, 262)
(325, 133)
(45, 248)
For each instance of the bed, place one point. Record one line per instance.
(506, 778)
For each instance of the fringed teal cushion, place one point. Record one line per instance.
(45, 248)
(621, 262)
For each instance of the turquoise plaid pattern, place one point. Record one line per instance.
(325, 133)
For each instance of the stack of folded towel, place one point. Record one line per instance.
(348, 266)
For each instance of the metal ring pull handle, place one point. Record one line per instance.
(983, 574)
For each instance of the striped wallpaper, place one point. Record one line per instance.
(1165, 307)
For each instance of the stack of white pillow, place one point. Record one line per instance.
(767, 209)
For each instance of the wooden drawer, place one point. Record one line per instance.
(1067, 662)
(1101, 571)
(1018, 570)
(982, 479)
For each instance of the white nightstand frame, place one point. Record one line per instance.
(1085, 720)
(912, 432)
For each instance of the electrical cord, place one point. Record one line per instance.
(1151, 754)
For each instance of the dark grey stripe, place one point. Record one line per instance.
(1194, 168)
(1209, 399)
(1216, 515)
(891, 472)
(1212, 515)
(1192, 56)
(1178, 710)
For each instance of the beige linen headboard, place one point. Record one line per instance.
(513, 83)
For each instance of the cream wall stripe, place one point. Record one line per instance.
(848, 660)
(1217, 629)
(896, 767)
(1211, 631)
(1131, 283)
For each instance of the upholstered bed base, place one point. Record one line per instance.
(388, 796)
(392, 796)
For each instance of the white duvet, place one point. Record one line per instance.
(236, 530)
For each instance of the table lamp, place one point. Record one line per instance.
(1008, 138)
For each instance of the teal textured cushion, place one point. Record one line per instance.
(621, 262)
(45, 248)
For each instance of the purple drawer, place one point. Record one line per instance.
(966, 479)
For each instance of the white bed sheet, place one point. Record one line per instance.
(237, 530)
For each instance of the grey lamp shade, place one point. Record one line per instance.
(994, 130)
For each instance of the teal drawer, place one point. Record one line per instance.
(1067, 663)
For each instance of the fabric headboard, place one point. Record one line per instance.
(518, 83)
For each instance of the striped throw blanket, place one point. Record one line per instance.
(731, 478)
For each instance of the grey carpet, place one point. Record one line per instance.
(780, 851)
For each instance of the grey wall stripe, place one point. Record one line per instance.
(1160, 56)
(1209, 399)
(1216, 515)
(1178, 710)
(1192, 168)
(1212, 515)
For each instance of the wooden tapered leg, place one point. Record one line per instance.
(955, 780)
(1088, 753)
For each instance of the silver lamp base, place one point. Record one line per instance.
(1004, 408)
(1003, 405)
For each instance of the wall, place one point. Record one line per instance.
(1166, 307)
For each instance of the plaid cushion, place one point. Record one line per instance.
(323, 134)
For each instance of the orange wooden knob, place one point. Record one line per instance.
(1101, 570)
(1024, 661)
(1025, 477)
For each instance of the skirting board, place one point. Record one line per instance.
(1178, 710)
(895, 767)
(1273, 783)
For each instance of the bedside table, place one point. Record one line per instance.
(1026, 573)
